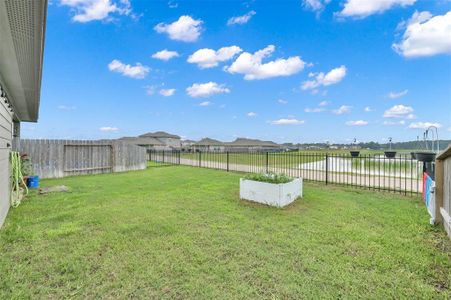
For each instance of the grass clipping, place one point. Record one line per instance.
(269, 177)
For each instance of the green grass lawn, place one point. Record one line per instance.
(182, 232)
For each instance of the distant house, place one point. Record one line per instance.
(252, 145)
(159, 140)
(187, 145)
(289, 147)
(171, 141)
(146, 142)
(207, 144)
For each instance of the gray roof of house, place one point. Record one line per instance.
(141, 141)
(208, 142)
(244, 142)
(159, 134)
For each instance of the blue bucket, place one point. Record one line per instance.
(33, 182)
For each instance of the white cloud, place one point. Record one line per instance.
(324, 103)
(209, 58)
(252, 67)
(241, 19)
(314, 110)
(150, 90)
(395, 95)
(400, 111)
(185, 29)
(251, 114)
(287, 122)
(172, 4)
(449, 129)
(342, 110)
(315, 5)
(108, 129)
(66, 107)
(165, 55)
(391, 123)
(137, 71)
(367, 109)
(364, 8)
(167, 92)
(426, 35)
(357, 123)
(332, 77)
(204, 90)
(205, 103)
(424, 125)
(96, 10)
(281, 101)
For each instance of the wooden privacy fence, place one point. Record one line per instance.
(60, 158)
(443, 189)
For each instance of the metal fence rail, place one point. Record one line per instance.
(400, 174)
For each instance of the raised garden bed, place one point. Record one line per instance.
(270, 192)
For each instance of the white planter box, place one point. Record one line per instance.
(270, 193)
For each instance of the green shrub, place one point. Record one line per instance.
(269, 177)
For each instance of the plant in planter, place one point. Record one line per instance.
(271, 189)
(26, 166)
(390, 153)
(425, 156)
(429, 155)
(29, 178)
(354, 152)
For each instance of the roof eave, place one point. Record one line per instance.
(21, 55)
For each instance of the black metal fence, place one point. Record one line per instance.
(401, 174)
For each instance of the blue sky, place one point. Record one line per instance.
(327, 70)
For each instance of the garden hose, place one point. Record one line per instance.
(16, 179)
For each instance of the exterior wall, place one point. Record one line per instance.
(171, 142)
(232, 148)
(154, 147)
(209, 148)
(5, 148)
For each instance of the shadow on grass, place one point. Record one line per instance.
(152, 164)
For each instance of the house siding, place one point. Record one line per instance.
(5, 148)
(171, 142)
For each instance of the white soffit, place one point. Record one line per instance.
(22, 32)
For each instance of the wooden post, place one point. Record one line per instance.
(439, 183)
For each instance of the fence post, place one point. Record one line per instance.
(180, 154)
(327, 168)
(227, 161)
(200, 159)
(163, 156)
(267, 161)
